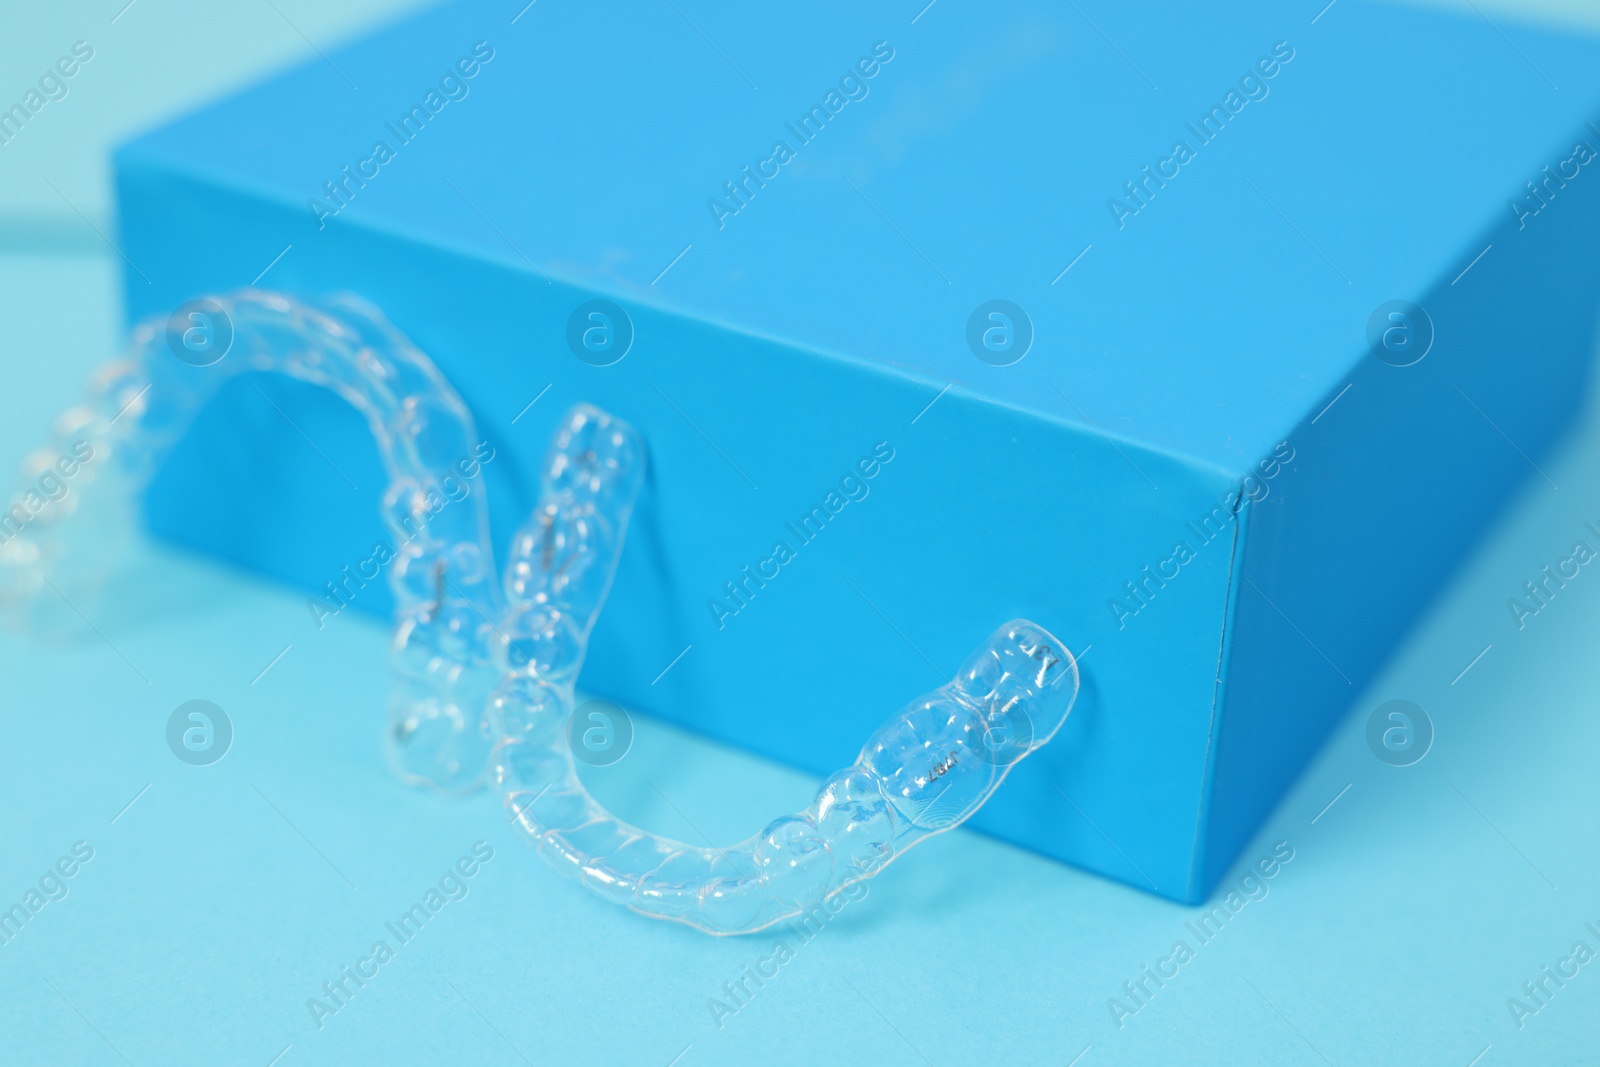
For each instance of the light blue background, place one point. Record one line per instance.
(224, 896)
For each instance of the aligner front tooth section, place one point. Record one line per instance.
(731, 902)
(673, 890)
(595, 834)
(924, 771)
(616, 873)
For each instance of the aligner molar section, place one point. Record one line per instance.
(931, 760)
(560, 555)
(856, 819)
(596, 457)
(672, 890)
(1022, 683)
(544, 641)
(527, 708)
(562, 558)
(617, 874)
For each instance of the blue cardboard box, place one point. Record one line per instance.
(1210, 340)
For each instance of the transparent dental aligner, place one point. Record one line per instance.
(461, 679)
(924, 771)
(139, 406)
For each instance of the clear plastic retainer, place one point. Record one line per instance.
(63, 534)
(462, 682)
(924, 771)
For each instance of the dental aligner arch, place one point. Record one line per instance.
(924, 771)
(443, 576)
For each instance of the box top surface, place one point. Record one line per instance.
(977, 162)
